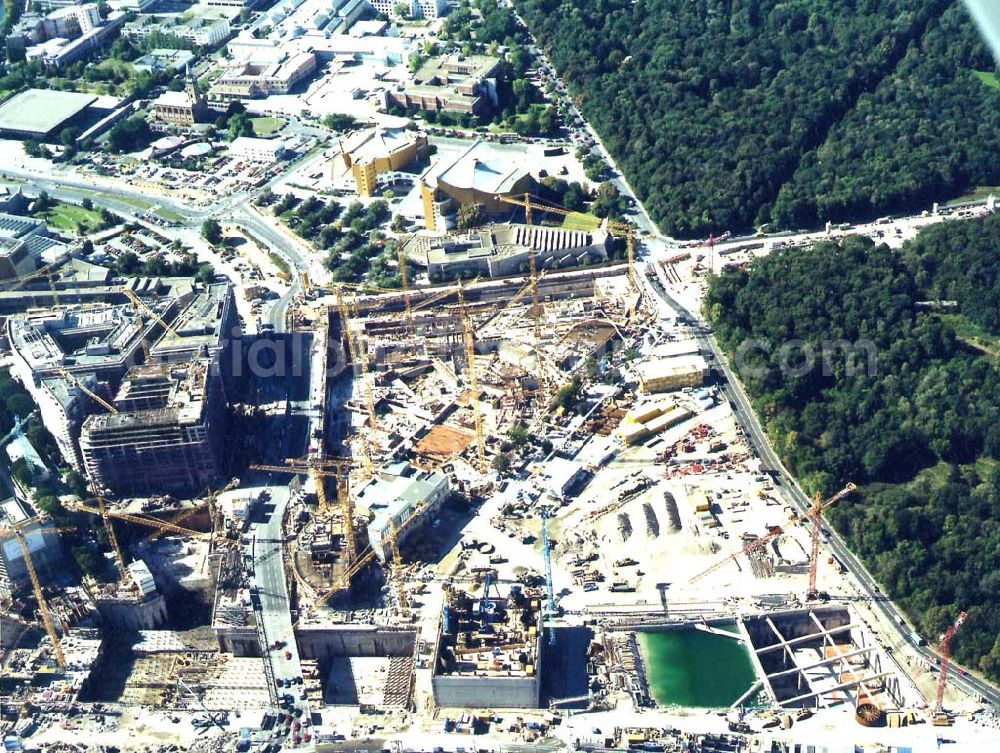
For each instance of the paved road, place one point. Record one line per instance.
(732, 388)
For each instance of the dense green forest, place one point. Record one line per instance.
(919, 429)
(725, 114)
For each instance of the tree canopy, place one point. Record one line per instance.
(725, 114)
(917, 425)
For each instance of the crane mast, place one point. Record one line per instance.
(945, 650)
(119, 558)
(43, 606)
(469, 341)
(404, 280)
(550, 599)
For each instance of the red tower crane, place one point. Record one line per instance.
(945, 650)
(776, 531)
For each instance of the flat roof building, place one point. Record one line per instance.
(498, 250)
(466, 86)
(41, 113)
(43, 544)
(665, 374)
(402, 499)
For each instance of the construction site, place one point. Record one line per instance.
(490, 507)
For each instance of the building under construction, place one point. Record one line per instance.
(430, 402)
(133, 603)
(489, 652)
(498, 250)
(165, 435)
(72, 358)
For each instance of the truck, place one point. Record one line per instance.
(916, 638)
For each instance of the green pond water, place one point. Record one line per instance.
(695, 668)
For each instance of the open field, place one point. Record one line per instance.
(266, 126)
(72, 218)
(581, 221)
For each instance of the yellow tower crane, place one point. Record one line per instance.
(353, 349)
(319, 470)
(396, 572)
(36, 585)
(87, 391)
(619, 229)
(138, 305)
(140, 520)
(366, 557)
(366, 383)
(469, 341)
(404, 281)
(109, 527)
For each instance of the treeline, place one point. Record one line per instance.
(919, 137)
(711, 108)
(910, 412)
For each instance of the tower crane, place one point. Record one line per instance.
(36, 585)
(87, 391)
(402, 600)
(940, 718)
(109, 527)
(367, 556)
(140, 520)
(366, 382)
(353, 348)
(404, 281)
(320, 469)
(619, 229)
(777, 531)
(550, 599)
(138, 305)
(469, 341)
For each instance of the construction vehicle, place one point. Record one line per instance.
(940, 717)
(776, 531)
(36, 586)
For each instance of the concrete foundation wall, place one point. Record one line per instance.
(239, 641)
(354, 640)
(133, 615)
(487, 692)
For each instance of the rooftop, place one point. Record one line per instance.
(479, 167)
(501, 240)
(370, 144)
(42, 110)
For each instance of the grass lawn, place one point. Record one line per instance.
(989, 78)
(581, 221)
(168, 214)
(132, 201)
(266, 126)
(973, 335)
(69, 218)
(978, 194)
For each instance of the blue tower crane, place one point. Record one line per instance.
(550, 599)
